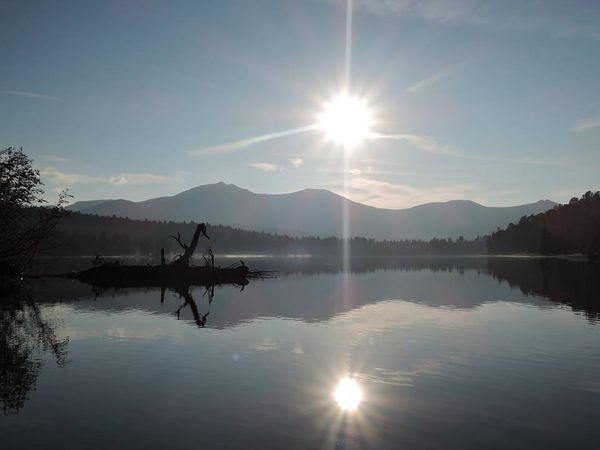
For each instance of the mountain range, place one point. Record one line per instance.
(317, 212)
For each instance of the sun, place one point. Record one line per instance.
(348, 394)
(346, 120)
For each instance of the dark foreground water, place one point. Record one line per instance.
(464, 353)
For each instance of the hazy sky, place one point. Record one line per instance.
(499, 101)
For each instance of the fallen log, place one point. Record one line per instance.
(160, 276)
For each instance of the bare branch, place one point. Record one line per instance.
(178, 239)
(185, 259)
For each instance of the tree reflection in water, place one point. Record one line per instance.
(574, 283)
(25, 334)
(184, 292)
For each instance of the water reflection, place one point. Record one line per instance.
(25, 336)
(312, 290)
(574, 283)
(184, 293)
(464, 353)
(348, 394)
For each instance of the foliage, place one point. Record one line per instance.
(24, 223)
(565, 229)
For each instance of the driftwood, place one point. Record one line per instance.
(188, 250)
(159, 276)
(179, 273)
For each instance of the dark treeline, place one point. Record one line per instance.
(565, 229)
(360, 265)
(83, 234)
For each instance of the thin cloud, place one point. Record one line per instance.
(58, 178)
(587, 124)
(383, 194)
(55, 159)
(250, 141)
(296, 162)
(430, 144)
(517, 15)
(433, 10)
(370, 170)
(580, 32)
(33, 95)
(417, 87)
(357, 171)
(526, 161)
(265, 167)
(145, 178)
(427, 144)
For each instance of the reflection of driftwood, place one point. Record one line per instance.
(210, 291)
(184, 292)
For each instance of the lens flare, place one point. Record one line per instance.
(346, 120)
(348, 394)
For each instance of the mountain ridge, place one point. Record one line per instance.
(316, 212)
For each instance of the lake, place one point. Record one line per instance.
(435, 353)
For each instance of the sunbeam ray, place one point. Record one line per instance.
(345, 207)
(348, 55)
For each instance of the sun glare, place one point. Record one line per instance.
(348, 394)
(346, 120)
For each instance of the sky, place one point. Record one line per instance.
(492, 101)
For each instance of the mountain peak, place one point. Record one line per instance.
(221, 185)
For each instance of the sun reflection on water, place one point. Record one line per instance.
(348, 394)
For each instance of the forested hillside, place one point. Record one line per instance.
(85, 234)
(565, 229)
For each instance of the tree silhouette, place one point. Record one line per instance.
(24, 223)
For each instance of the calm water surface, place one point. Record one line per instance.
(470, 353)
